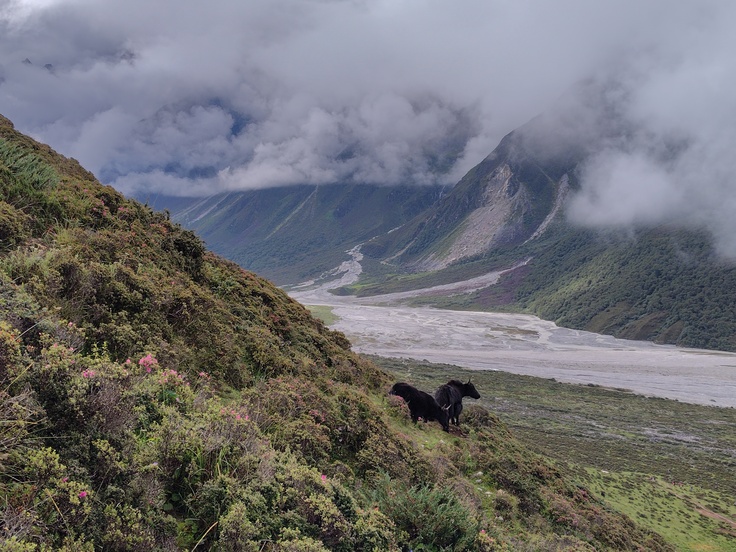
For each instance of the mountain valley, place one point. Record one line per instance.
(156, 396)
(664, 283)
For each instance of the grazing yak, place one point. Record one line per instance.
(450, 396)
(421, 404)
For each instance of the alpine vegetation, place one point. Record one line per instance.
(154, 396)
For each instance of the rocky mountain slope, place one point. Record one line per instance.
(507, 199)
(663, 282)
(155, 396)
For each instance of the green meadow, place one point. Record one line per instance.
(669, 465)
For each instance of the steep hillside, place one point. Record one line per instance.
(295, 233)
(157, 397)
(502, 202)
(662, 284)
(514, 194)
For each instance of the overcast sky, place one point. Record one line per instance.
(191, 97)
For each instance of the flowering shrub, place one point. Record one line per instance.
(53, 504)
(174, 387)
(148, 363)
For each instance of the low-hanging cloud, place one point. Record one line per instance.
(190, 98)
(673, 163)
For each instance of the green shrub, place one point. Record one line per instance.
(122, 528)
(375, 532)
(429, 518)
(14, 226)
(292, 541)
(237, 532)
(9, 350)
(55, 508)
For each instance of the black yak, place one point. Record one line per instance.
(450, 396)
(421, 404)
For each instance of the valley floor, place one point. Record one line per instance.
(526, 345)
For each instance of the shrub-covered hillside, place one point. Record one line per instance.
(154, 396)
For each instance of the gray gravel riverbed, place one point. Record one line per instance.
(524, 344)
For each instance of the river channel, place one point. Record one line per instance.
(522, 344)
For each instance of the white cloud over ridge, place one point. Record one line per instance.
(190, 98)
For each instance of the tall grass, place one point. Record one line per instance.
(25, 181)
(28, 169)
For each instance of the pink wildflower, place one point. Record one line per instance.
(324, 477)
(148, 362)
(83, 494)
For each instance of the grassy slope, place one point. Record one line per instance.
(157, 397)
(667, 464)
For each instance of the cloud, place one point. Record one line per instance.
(672, 162)
(613, 193)
(190, 98)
